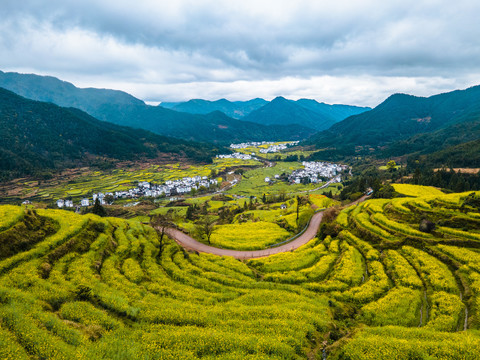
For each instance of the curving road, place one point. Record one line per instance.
(191, 244)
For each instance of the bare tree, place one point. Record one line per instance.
(205, 227)
(160, 223)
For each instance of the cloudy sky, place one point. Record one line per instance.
(339, 51)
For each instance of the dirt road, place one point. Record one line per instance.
(191, 244)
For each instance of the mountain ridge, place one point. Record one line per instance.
(38, 136)
(234, 109)
(400, 117)
(123, 109)
(307, 112)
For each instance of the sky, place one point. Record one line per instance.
(350, 52)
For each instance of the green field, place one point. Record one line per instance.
(253, 181)
(250, 229)
(86, 287)
(89, 182)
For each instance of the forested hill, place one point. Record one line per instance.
(37, 136)
(234, 109)
(400, 117)
(306, 112)
(123, 109)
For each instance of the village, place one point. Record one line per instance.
(278, 147)
(146, 189)
(250, 144)
(237, 156)
(271, 149)
(313, 172)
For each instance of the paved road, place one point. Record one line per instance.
(191, 244)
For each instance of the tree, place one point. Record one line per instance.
(160, 223)
(109, 199)
(98, 209)
(264, 199)
(206, 227)
(391, 165)
(190, 213)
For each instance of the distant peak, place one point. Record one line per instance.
(279, 98)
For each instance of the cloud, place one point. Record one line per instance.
(320, 49)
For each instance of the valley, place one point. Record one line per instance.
(121, 243)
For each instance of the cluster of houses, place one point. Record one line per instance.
(249, 144)
(147, 189)
(278, 147)
(69, 203)
(314, 172)
(236, 156)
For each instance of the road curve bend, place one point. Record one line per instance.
(190, 243)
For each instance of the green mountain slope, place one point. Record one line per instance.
(123, 109)
(304, 112)
(337, 112)
(463, 155)
(234, 109)
(400, 117)
(38, 136)
(465, 131)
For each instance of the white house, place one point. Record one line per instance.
(267, 179)
(69, 203)
(85, 202)
(60, 203)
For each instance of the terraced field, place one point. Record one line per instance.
(86, 182)
(86, 287)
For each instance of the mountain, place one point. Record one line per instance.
(234, 109)
(37, 136)
(465, 131)
(465, 155)
(336, 112)
(304, 112)
(399, 118)
(123, 109)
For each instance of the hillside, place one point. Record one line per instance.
(304, 112)
(466, 130)
(376, 287)
(37, 136)
(234, 109)
(123, 109)
(214, 127)
(465, 155)
(400, 117)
